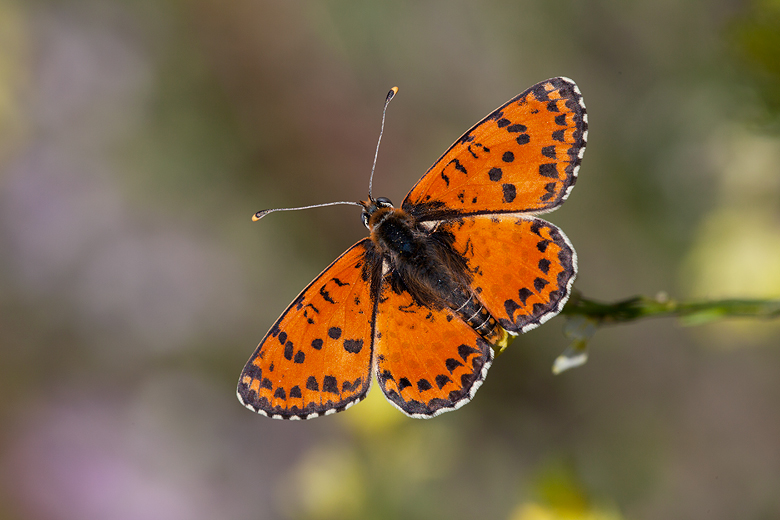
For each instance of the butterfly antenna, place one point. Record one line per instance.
(390, 95)
(260, 214)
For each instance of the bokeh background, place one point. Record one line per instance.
(137, 138)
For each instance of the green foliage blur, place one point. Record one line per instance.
(138, 137)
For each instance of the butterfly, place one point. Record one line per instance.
(462, 266)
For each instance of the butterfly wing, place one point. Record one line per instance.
(522, 158)
(428, 361)
(522, 267)
(316, 359)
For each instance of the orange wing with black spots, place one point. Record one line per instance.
(522, 158)
(531, 281)
(316, 359)
(428, 361)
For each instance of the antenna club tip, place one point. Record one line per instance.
(392, 93)
(257, 216)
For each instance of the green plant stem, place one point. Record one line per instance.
(693, 312)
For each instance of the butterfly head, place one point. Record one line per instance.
(373, 209)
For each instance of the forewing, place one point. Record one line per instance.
(316, 359)
(428, 361)
(524, 157)
(522, 268)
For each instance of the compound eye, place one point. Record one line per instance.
(384, 202)
(364, 216)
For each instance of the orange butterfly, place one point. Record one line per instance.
(460, 267)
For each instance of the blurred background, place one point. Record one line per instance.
(137, 138)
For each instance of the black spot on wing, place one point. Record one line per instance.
(326, 295)
(442, 380)
(524, 293)
(334, 333)
(465, 351)
(353, 346)
(330, 384)
(511, 307)
(346, 386)
(550, 188)
(510, 192)
(495, 174)
(549, 170)
(423, 385)
(452, 364)
(539, 284)
(459, 167)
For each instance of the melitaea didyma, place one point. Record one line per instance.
(460, 267)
